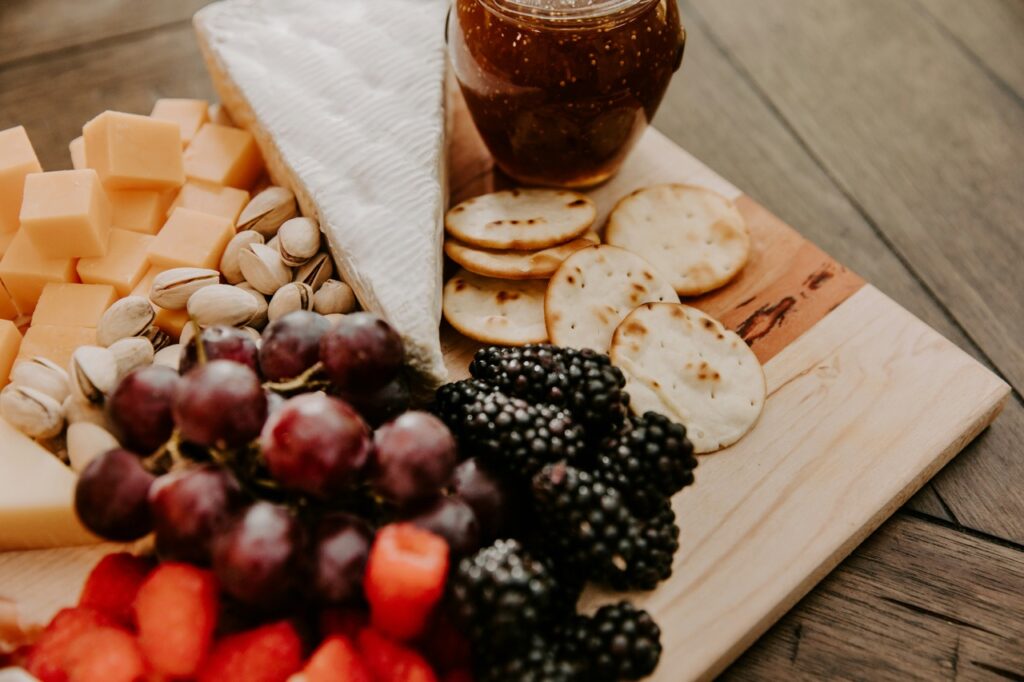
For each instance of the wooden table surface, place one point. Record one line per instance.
(890, 132)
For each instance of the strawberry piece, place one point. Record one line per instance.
(445, 646)
(113, 584)
(271, 653)
(46, 660)
(176, 612)
(345, 622)
(105, 655)
(389, 661)
(405, 575)
(337, 660)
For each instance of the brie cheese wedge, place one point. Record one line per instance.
(347, 102)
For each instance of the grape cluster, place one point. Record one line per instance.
(274, 463)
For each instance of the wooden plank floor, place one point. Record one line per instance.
(890, 132)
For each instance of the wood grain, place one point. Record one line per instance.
(916, 602)
(844, 440)
(882, 99)
(721, 115)
(29, 28)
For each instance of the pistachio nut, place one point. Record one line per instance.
(229, 265)
(132, 353)
(93, 373)
(334, 296)
(289, 298)
(298, 241)
(77, 410)
(317, 271)
(172, 288)
(44, 376)
(263, 268)
(274, 242)
(32, 412)
(267, 211)
(131, 316)
(169, 357)
(86, 442)
(260, 320)
(222, 304)
(255, 334)
(158, 337)
(187, 332)
(334, 318)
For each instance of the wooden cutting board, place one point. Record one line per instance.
(866, 403)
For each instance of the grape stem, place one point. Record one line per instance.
(304, 382)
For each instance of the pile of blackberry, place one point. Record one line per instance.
(554, 425)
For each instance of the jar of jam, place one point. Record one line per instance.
(561, 90)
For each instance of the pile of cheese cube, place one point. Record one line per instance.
(147, 193)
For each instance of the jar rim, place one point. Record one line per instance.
(563, 11)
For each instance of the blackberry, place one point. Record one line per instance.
(649, 461)
(507, 433)
(584, 381)
(501, 594)
(539, 660)
(588, 529)
(620, 642)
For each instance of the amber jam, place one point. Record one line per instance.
(561, 90)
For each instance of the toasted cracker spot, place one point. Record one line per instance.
(696, 237)
(710, 382)
(594, 290)
(527, 219)
(496, 311)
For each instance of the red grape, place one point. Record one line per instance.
(291, 344)
(415, 458)
(140, 407)
(220, 343)
(316, 444)
(383, 404)
(111, 496)
(486, 495)
(453, 520)
(339, 558)
(220, 404)
(189, 507)
(361, 352)
(256, 557)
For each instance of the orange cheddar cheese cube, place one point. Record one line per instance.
(73, 305)
(223, 156)
(139, 210)
(10, 344)
(191, 239)
(8, 308)
(127, 260)
(189, 114)
(77, 149)
(55, 343)
(66, 214)
(205, 197)
(134, 152)
(25, 270)
(216, 113)
(5, 241)
(17, 160)
(170, 321)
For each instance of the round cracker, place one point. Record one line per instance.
(523, 219)
(686, 365)
(515, 264)
(593, 290)
(498, 311)
(695, 237)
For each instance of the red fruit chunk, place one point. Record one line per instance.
(337, 660)
(176, 612)
(389, 661)
(271, 653)
(47, 659)
(345, 622)
(113, 584)
(105, 655)
(404, 580)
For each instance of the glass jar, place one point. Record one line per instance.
(561, 90)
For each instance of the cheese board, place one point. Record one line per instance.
(865, 404)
